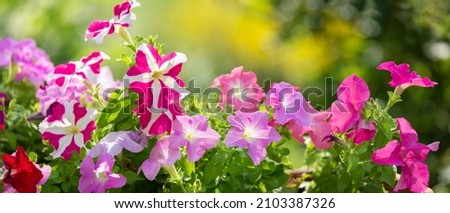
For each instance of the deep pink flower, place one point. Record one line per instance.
(288, 104)
(403, 77)
(114, 142)
(194, 133)
(239, 89)
(98, 177)
(155, 76)
(123, 17)
(363, 131)
(252, 131)
(160, 156)
(68, 128)
(353, 93)
(409, 154)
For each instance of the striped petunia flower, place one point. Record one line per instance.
(68, 128)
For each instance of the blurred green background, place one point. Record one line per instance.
(298, 41)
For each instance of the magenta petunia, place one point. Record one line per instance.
(99, 177)
(68, 128)
(363, 131)
(160, 156)
(155, 76)
(288, 104)
(123, 17)
(353, 93)
(410, 155)
(114, 142)
(240, 90)
(321, 132)
(403, 77)
(194, 133)
(252, 131)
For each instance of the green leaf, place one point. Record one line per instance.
(33, 156)
(215, 167)
(388, 175)
(271, 181)
(132, 177)
(352, 162)
(343, 182)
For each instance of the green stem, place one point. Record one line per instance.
(395, 98)
(174, 174)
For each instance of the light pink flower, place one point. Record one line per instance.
(403, 77)
(252, 131)
(114, 142)
(298, 132)
(98, 177)
(288, 104)
(68, 128)
(194, 133)
(409, 154)
(240, 90)
(160, 156)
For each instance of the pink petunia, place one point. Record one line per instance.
(68, 128)
(353, 93)
(363, 131)
(240, 90)
(160, 156)
(114, 142)
(194, 133)
(403, 77)
(3, 98)
(99, 177)
(252, 131)
(410, 155)
(288, 104)
(123, 17)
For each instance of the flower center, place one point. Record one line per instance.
(246, 135)
(189, 135)
(101, 175)
(157, 74)
(73, 130)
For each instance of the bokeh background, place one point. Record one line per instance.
(298, 41)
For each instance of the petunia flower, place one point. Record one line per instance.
(402, 76)
(155, 76)
(87, 68)
(68, 128)
(240, 90)
(32, 63)
(156, 121)
(194, 133)
(352, 93)
(123, 17)
(363, 131)
(160, 156)
(3, 98)
(22, 175)
(321, 131)
(60, 90)
(297, 131)
(114, 142)
(288, 104)
(252, 131)
(409, 154)
(98, 177)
